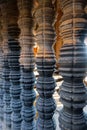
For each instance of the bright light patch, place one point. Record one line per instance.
(85, 79)
(85, 41)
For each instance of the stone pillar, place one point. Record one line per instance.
(14, 54)
(6, 69)
(1, 79)
(86, 9)
(27, 63)
(45, 34)
(73, 65)
(58, 43)
(86, 16)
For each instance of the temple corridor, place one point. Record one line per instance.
(43, 64)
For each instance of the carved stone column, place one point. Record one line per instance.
(86, 9)
(27, 64)
(6, 69)
(45, 61)
(1, 79)
(73, 65)
(14, 54)
(15, 88)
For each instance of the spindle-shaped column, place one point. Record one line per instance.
(45, 34)
(14, 54)
(27, 63)
(6, 70)
(86, 9)
(1, 90)
(1, 79)
(15, 88)
(72, 65)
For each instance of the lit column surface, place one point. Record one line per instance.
(27, 64)
(73, 62)
(45, 61)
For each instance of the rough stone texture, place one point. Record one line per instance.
(27, 63)
(1, 80)
(15, 88)
(13, 61)
(45, 37)
(6, 69)
(58, 42)
(73, 61)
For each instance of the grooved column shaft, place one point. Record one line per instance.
(27, 63)
(73, 62)
(45, 37)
